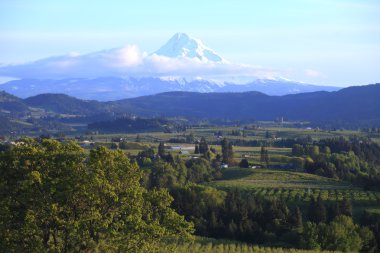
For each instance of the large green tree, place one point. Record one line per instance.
(227, 152)
(203, 146)
(340, 234)
(55, 198)
(199, 170)
(162, 175)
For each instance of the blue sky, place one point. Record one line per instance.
(332, 42)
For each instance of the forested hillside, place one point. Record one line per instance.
(352, 107)
(353, 103)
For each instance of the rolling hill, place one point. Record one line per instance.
(350, 107)
(113, 88)
(349, 104)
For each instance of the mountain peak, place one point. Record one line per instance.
(183, 45)
(180, 35)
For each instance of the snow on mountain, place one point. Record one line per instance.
(182, 56)
(182, 45)
(113, 88)
(184, 63)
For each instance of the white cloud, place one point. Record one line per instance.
(130, 56)
(195, 68)
(314, 73)
(73, 54)
(129, 61)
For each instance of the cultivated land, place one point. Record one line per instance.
(207, 245)
(258, 133)
(293, 186)
(280, 179)
(297, 188)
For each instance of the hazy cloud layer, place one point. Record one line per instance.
(130, 61)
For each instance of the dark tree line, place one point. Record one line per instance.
(240, 216)
(134, 125)
(355, 160)
(227, 152)
(166, 171)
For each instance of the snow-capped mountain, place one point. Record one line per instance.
(182, 56)
(182, 45)
(113, 88)
(184, 63)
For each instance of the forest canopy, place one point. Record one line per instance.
(55, 197)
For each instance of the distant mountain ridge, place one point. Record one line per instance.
(113, 88)
(354, 104)
(65, 104)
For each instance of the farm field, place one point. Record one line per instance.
(258, 133)
(296, 187)
(118, 136)
(265, 178)
(280, 176)
(277, 154)
(291, 186)
(206, 245)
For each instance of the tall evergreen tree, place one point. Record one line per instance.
(317, 210)
(264, 157)
(161, 149)
(262, 154)
(296, 218)
(230, 154)
(321, 210)
(333, 211)
(244, 163)
(225, 151)
(196, 150)
(232, 229)
(345, 207)
(203, 146)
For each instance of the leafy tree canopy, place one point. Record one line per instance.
(54, 197)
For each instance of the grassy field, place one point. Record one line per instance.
(206, 245)
(295, 187)
(258, 133)
(289, 185)
(264, 178)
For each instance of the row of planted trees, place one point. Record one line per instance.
(237, 215)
